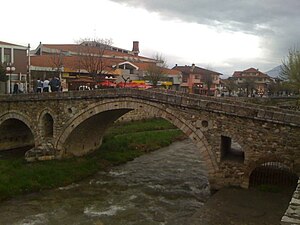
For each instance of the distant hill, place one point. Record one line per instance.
(275, 72)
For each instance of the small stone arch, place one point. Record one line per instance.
(263, 165)
(25, 136)
(128, 104)
(46, 122)
(273, 173)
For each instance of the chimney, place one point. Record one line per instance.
(41, 48)
(193, 67)
(135, 48)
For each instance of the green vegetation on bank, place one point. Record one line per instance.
(122, 142)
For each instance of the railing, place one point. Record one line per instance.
(177, 99)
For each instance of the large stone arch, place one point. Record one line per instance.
(21, 119)
(122, 106)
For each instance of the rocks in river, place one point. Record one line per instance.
(43, 152)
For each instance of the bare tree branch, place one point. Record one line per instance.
(92, 55)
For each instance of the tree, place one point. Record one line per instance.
(57, 60)
(207, 78)
(290, 69)
(155, 71)
(3, 76)
(230, 85)
(92, 55)
(249, 85)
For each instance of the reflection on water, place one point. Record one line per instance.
(163, 187)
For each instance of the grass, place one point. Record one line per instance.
(122, 142)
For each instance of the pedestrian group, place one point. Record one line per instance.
(44, 85)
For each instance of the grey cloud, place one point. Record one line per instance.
(276, 22)
(239, 14)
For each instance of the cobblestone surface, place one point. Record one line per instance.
(231, 206)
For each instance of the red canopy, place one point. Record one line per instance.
(107, 83)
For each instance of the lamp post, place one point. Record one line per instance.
(10, 69)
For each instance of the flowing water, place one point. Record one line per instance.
(164, 187)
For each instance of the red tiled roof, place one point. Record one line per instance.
(196, 70)
(89, 49)
(248, 73)
(144, 66)
(70, 62)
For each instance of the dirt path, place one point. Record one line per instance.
(232, 206)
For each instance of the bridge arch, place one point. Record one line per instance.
(17, 131)
(107, 111)
(272, 160)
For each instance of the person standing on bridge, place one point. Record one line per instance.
(46, 85)
(54, 84)
(16, 88)
(39, 86)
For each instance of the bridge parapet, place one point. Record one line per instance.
(177, 99)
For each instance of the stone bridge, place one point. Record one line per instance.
(233, 137)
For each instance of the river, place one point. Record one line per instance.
(163, 187)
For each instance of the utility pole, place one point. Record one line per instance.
(29, 72)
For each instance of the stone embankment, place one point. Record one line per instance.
(292, 214)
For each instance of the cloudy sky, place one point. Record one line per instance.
(222, 35)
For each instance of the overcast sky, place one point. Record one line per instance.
(222, 35)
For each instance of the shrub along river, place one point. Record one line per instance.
(163, 187)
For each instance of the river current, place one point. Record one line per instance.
(163, 187)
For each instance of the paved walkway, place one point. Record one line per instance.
(232, 206)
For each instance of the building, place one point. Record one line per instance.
(251, 81)
(198, 80)
(15, 58)
(94, 61)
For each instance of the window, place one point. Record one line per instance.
(184, 78)
(7, 58)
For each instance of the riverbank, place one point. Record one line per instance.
(234, 206)
(123, 142)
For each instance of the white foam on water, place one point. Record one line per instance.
(37, 219)
(68, 187)
(112, 210)
(132, 197)
(115, 173)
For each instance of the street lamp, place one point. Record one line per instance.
(10, 69)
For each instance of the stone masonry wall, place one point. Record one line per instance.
(292, 214)
(264, 133)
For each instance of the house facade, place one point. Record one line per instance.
(198, 80)
(14, 58)
(251, 81)
(71, 62)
